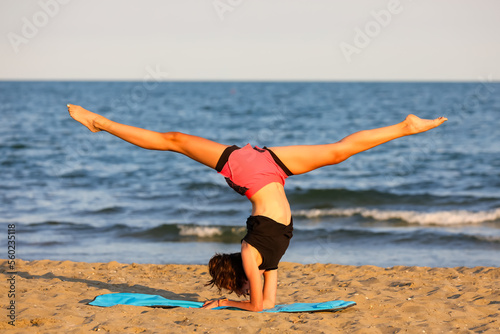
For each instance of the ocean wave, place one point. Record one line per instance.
(451, 217)
(189, 232)
(58, 234)
(200, 231)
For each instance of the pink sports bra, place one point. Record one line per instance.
(249, 169)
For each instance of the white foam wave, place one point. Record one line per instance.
(452, 217)
(199, 231)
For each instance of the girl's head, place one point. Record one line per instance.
(227, 273)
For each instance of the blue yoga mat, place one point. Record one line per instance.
(139, 299)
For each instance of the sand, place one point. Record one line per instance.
(52, 297)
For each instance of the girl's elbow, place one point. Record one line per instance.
(267, 305)
(258, 307)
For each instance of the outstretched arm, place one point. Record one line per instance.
(199, 149)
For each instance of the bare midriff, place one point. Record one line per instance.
(270, 201)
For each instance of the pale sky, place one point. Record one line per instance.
(250, 40)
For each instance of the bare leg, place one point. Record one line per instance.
(199, 149)
(304, 158)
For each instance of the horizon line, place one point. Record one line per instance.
(261, 80)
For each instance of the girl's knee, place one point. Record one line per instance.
(338, 153)
(174, 140)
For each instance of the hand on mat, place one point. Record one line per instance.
(211, 304)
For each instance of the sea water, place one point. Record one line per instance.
(430, 200)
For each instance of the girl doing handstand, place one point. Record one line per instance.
(259, 174)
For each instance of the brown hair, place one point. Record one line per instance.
(227, 272)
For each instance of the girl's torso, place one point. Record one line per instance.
(270, 201)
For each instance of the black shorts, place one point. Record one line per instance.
(270, 238)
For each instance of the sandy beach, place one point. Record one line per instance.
(53, 296)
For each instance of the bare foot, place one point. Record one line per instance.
(83, 116)
(416, 124)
